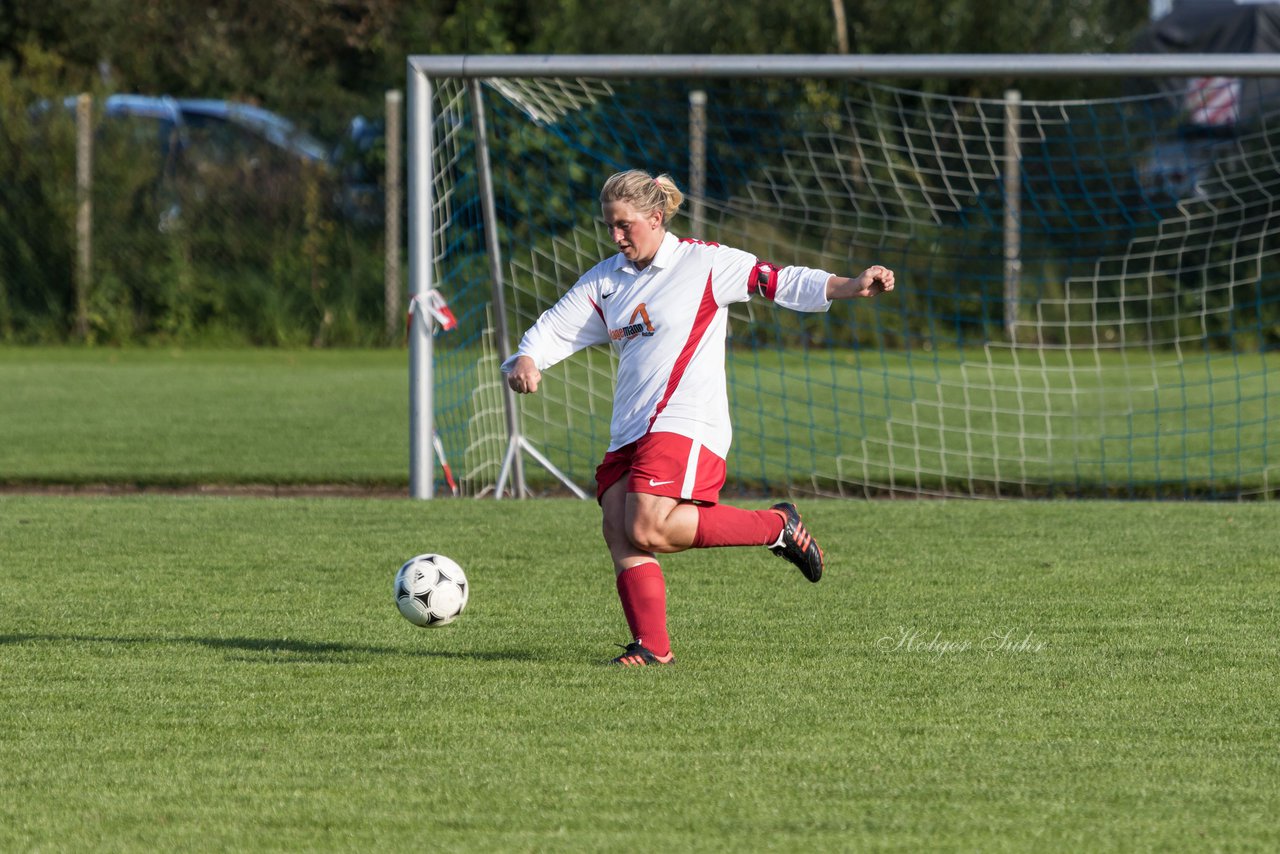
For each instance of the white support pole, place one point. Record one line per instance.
(84, 212)
(514, 462)
(392, 275)
(697, 160)
(1012, 211)
(421, 275)
(517, 444)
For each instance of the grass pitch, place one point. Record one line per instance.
(214, 674)
(191, 417)
(184, 417)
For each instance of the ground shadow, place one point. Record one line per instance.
(283, 650)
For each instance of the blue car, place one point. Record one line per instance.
(254, 123)
(176, 118)
(205, 142)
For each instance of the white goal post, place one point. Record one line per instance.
(935, 469)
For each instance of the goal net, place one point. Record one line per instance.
(1088, 297)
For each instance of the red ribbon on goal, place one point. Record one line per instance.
(433, 303)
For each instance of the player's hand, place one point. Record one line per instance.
(524, 376)
(875, 280)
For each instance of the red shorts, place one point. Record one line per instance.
(664, 464)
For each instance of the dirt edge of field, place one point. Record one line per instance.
(251, 490)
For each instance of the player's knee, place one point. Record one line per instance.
(646, 535)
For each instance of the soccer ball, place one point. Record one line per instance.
(431, 590)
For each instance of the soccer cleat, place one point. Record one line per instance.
(796, 544)
(636, 655)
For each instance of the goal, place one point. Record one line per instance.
(1088, 297)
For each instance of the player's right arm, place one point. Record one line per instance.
(573, 323)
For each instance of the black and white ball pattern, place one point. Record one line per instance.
(431, 590)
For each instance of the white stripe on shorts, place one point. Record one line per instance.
(691, 470)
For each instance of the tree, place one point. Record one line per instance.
(320, 62)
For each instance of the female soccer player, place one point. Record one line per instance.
(662, 302)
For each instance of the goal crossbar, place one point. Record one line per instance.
(834, 66)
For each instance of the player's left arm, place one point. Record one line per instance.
(742, 276)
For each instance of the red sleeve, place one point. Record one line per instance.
(763, 280)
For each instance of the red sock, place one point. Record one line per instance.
(643, 592)
(722, 525)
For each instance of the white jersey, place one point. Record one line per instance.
(668, 324)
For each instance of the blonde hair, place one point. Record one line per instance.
(644, 192)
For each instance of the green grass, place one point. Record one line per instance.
(1083, 423)
(180, 417)
(214, 674)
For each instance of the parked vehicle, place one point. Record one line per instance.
(205, 142)
(361, 160)
(238, 123)
(1209, 114)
